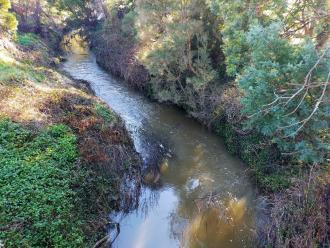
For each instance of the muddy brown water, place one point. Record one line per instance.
(172, 214)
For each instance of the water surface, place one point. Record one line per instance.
(172, 214)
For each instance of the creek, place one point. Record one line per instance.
(202, 196)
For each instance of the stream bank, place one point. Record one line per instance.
(66, 158)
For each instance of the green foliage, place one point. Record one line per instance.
(79, 13)
(8, 21)
(128, 26)
(277, 66)
(105, 113)
(178, 60)
(36, 178)
(28, 40)
(230, 137)
(18, 73)
(10, 73)
(236, 17)
(5, 5)
(267, 49)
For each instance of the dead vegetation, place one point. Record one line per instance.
(300, 215)
(103, 145)
(120, 54)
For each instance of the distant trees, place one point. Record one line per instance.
(44, 16)
(78, 13)
(30, 14)
(52, 19)
(116, 42)
(8, 20)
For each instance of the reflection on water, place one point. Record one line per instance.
(183, 210)
(219, 225)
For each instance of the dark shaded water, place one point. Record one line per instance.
(171, 214)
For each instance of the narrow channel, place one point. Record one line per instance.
(199, 167)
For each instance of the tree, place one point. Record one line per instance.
(281, 75)
(8, 20)
(80, 12)
(177, 57)
(286, 92)
(43, 16)
(308, 18)
(236, 16)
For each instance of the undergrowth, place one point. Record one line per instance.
(260, 155)
(27, 39)
(104, 112)
(36, 178)
(10, 73)
(20, 72)
(300, 216)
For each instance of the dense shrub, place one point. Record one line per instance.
(114, 42)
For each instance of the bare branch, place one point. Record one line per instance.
(315, 108)
(302, 92)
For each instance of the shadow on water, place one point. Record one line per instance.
(195, 194)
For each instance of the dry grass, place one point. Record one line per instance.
(78, 111)
(300, 215)
(21, 103)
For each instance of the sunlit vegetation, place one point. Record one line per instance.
(60, 150)
(256, 72)
(28, 40)
(8, 22)
(37, 175)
